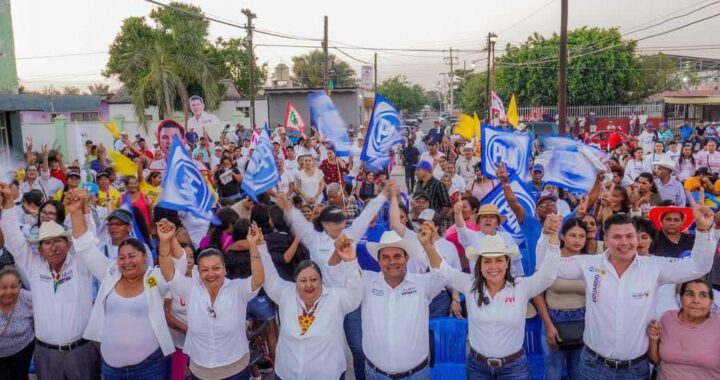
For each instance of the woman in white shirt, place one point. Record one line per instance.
(176, 314)
(709, 157)
(635, 166)
(127, 318)
(311, 315)
(216, 307)
(309, 181)
(656, 156)
(496, 303)
(686, 163)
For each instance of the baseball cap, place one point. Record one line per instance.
(424, 165)
(121, 214)
(73, 173)
(429, 215)
(538, 168)
(421, 194)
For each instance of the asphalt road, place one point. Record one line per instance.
(398, 173)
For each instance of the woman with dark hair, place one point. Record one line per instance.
(72, 182)
(685, 343)
(686, 163)
(562, 309)
(333, 168)
(128, 318)
(481, 186)
(312, 313)
(219, 235)
(709, 157)
(646, 194)
(52, 210)
(227, 179)
(138, 200)
(646, 235)
(635, 165)
(469, 214)
(497, 302)
(616, 200)
(17, 335)
(285, 249)
(216, 306)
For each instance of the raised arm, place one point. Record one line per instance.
(344, 262)
(362, 222)
(255, 239)
(547, 272)
(394, 209)
(274, 286)
(14, 240)
(510, 196)
(84, 241)
(299, 225)
(703, 252)
(458, 280)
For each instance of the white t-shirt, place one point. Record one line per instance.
(310, 184)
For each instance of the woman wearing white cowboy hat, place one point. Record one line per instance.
(496, 302)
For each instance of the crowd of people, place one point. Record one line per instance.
(99, 281)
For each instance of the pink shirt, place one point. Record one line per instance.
(689, 351)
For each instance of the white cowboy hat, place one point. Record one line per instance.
(391, 239)
(666, 163)
(492, 246)
(50, 230)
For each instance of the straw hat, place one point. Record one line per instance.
(491, 209)
(491, 246)
(50, 230)
(390, 239)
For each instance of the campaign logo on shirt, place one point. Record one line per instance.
(510, 299)
(595, 295)
(641, 295)
(377, 292)
(408, 291)
(600, 271)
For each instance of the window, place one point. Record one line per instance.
(244, 110)
(84, 116)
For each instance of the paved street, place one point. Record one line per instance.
(398, 173)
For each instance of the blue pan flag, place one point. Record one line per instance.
(261, 174)
(571, 165)
(503, 145)
(382, 135)
(524, 198)
(329, 123)
(184, 188)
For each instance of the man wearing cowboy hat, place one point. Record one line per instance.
(395, 311)
(669, 188)
(672, 222)
(62, 293)
(465, 164)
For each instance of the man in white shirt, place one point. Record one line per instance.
(200, 118)
(62, 298)
(621, 292)
(432, 154)
(465, 164)
(647, 139)
(395, 311)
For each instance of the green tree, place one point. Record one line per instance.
(402, 94)
(471, 96)
(71, 90)
(99, 89)
(233, 61)
(158, 63)
(602, 69)
(308, 70)
(659, 73)
(432, 98)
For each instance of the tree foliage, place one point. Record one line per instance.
(471, 97)
(432, 98)
(659, 73)
(99, 89)
(164, 63)
(308, 70)
(71, 90)
(402, 94)
(603, 69)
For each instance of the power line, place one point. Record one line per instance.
(672, 18)
(351, 57)
(527, 17)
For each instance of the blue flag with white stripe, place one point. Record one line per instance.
(512, 147)
(382, 135)
(329, 123)
(524, 198)
(184, 188)
(261, 174)
(571, 165)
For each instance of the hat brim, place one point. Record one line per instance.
(666, 166)
(501, 218)
(65, 234)
(473, 254)
(404, 244)
(657, 213)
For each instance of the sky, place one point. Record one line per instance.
(66, 42)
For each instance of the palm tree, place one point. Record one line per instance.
(99, 89)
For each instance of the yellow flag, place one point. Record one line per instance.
(512, 114)
(466, 127)
(123, 165)
(111, 127)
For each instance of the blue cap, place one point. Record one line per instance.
(91, 188)
(424, 165)
(538, 168)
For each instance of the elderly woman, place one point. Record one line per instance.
(128, 317)
(311, 314)
(685, 343)
(497, 301)
(17, 336)
(216, 307)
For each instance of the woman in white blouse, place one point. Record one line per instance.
(311, 315)
(496, 303)
(310, 183)
(128, 318)
(216, 306)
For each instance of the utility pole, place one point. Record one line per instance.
(562, 75)
(251, 59)
(443, 93)
(375, 73)
(325, 55)
(451, 61)
(491, 38)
